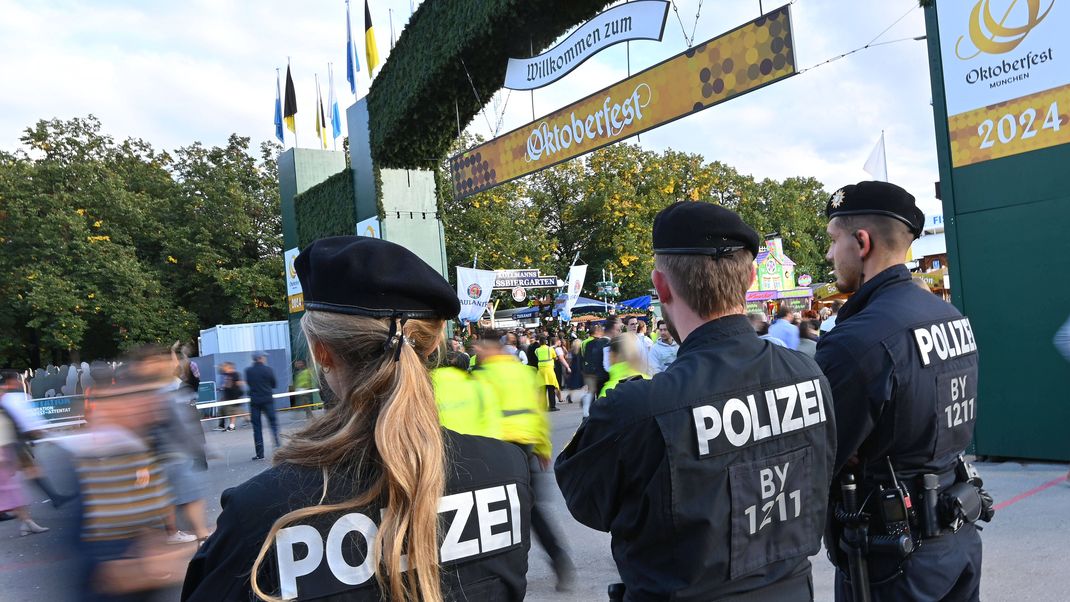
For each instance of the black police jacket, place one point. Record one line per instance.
(713, 476)
(484, 533)
(902, 364)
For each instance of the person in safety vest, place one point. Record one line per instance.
(545, 356)
(712, 477)
(519, 392)
(624, 358)
(373, 500)
(465, 404)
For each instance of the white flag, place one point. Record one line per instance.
(473, 291)
(576, 275)
(877, 163)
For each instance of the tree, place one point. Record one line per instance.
(602, 206)
(102, 242)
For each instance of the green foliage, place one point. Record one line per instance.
(326, 209)
(450, 53)
(603, 206)
(108, 245)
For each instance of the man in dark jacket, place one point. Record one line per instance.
(902, 364)
(713, 476)
(260, 379)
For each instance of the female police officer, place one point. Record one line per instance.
(373, 499)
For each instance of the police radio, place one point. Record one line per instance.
(894, 506)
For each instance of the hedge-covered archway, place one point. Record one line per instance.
(414, 102)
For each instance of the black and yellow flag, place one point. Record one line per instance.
(289, 106)
(369, 39)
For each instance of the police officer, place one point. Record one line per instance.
(365, 503)
(713, 476)
(902, 364)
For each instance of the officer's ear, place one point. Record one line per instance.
(322, 355)
(661, 285)
(865, 243)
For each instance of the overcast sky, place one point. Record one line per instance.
(178, 72)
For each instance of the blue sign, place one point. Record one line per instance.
(58, 408)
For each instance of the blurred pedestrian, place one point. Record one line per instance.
(28, 428)
(465, 404)
(625, 362)
(545, 359)
(830, 322)
(12, 499)
(784, 328)
(593, 372)
(574, 380)
(124, 493)
(260, 379)
(562, 368)
(525, 424)
(302, 381)
(232, 388)
(645, 345)
(808, 337)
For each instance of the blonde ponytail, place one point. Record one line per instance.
(385, 423)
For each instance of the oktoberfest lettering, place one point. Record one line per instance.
(607, 122)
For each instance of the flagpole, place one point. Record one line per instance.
(278, 97)
(885, 149)
(330, 82)
(318, 105)
(295, 94)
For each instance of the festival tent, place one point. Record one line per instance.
(640, 303)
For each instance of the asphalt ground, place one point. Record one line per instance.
(1026, 556)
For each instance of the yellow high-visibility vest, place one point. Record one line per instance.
(522, 400)
(466, 405)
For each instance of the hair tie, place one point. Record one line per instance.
(395, 338)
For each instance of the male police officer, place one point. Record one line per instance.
(712, 477)
(903, 369)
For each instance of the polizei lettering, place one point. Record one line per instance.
(476, 523)
(747, 419)
(945, 340)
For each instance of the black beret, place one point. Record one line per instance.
(700, 228)
(366, 276)
(876, 198)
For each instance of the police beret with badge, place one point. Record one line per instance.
(700, 228)
(359, 275)
(876, 198)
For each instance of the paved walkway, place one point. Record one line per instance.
(1026, 555)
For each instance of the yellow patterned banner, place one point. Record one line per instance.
(751, 56)
(1008, 128)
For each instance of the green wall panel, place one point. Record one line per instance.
(1015, 264)
(1006, 224)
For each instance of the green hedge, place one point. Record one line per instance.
(326, 209)
(414, 100)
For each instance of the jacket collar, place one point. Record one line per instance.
(873, 288)
(716, 330)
